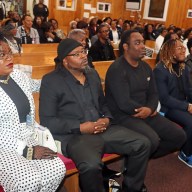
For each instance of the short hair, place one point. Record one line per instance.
(125, 38)
(101, 26)
(50, 20)
(46, 26)
(24, 16)
(82, 25)
(139, 29)
(75, 33)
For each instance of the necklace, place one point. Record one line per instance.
(5, 81)
(178, 74)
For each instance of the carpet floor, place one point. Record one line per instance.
(166, 174)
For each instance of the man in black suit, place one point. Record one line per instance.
(102, 50)
(73, 107)
(132, 97)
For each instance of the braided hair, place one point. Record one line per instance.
(167, 55)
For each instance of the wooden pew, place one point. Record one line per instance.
(35, 59)
(151, 62)
(37, 48)
(150, 43)
(39, 71)
(101, 67)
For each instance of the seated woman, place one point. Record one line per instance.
(9, 31)
(24, 165)
(49, 36)
(37, 24)
(56, 29)
(175, 91)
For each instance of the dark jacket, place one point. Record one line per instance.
(98, 54)
(189, 65)
(60, 108)
(127, 89)
(111, 34)
(167, 84)
(42, 12)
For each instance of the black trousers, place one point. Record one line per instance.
(184, 119)
(165, 136)
(87, 151)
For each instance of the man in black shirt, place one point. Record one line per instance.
(73, 107)
(102, 50)
(132, 98)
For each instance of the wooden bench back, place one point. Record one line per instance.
(101, 67)
(39, 48)
(150, 43)
(151, 62)
(36, 59)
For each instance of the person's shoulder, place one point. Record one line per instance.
(33, 29)
(19, 28)
(116, 65)
(51, 75)
(118, 62)
(91, 71)
(160, 67)
(18, 74)
(145, 65)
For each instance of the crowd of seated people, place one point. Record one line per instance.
(171, 80)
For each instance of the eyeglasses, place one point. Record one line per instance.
(4, 56)
(105, 31)
(79, 54)
(180, 48)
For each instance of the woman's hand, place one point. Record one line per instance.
(40, 152)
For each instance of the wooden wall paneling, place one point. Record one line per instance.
(177, 12)
(187, 22)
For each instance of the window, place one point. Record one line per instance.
(69, 5)
(104, 7)
(156, 10)
(133, 5)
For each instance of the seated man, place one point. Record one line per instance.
(102, 50)
(132, 97)
(72, 106)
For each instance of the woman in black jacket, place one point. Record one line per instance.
(175, 91)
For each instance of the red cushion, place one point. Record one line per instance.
(1, 189)
(68, 162)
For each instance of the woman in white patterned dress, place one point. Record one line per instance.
(24, 165)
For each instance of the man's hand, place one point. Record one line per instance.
(153, 114)
(87, 127)
(142, 112)
(94, 127)
(101, 125)
(40, 152)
